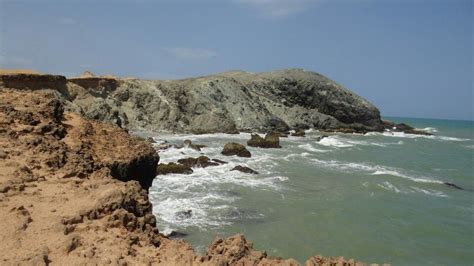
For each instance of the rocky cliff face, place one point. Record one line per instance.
(225, 102)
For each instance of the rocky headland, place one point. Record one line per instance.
(73, 189)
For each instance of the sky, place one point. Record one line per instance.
(411, 58)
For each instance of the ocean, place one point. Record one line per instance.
(378, 198)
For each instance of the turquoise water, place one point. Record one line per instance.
(376, 197)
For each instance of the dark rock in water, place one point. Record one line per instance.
(244, 169)
(201, 161)
(219, 161)
(271, 140)
(299, 133)
(176, 234)
(184, 214)
(402, 127)
(188, 143)
(453, 185)
(173, 168)
(233, 148)
(318, 139)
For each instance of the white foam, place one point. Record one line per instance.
(372, 169)
(430, 192)
(396, 173)
(428, 129)
(334, 141)
(414, 136)
(205, 190)
(388, 186)
(311, 148)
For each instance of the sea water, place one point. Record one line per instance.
(378, 197)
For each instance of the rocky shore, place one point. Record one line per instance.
(74, 190)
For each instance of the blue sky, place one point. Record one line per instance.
(410, 58)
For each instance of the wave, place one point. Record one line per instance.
(414, 136)
(311, 148)
(388, 186)
(430, 192)
(373, 170)
(392, 188)
(428, 129)
(208, 191)
(334, 141)
(396, 173)
(342, 142)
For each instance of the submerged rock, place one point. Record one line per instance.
(173, 168)
(244, 169)
(271, 140)
(184, 214)
(233, 148)
(453, 185)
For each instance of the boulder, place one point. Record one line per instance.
(299, 133)
(173, 168)
(271, 140)
(244, 169)
(233, 148)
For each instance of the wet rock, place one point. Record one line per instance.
(235, 149)
(188, 143)
(184, 214)
(201, 161)
(219, 161)
(402, 127)
(299, 133)
(244, 169)
(271, 140)
(319, 138)
(172, 168)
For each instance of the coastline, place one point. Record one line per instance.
(74, 191)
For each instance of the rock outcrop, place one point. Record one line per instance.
(227, 102)
(271, 140)
(402, 127)
(244, 169)
(173, 168)
(233, 148)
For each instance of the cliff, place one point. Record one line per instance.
(227, 102)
